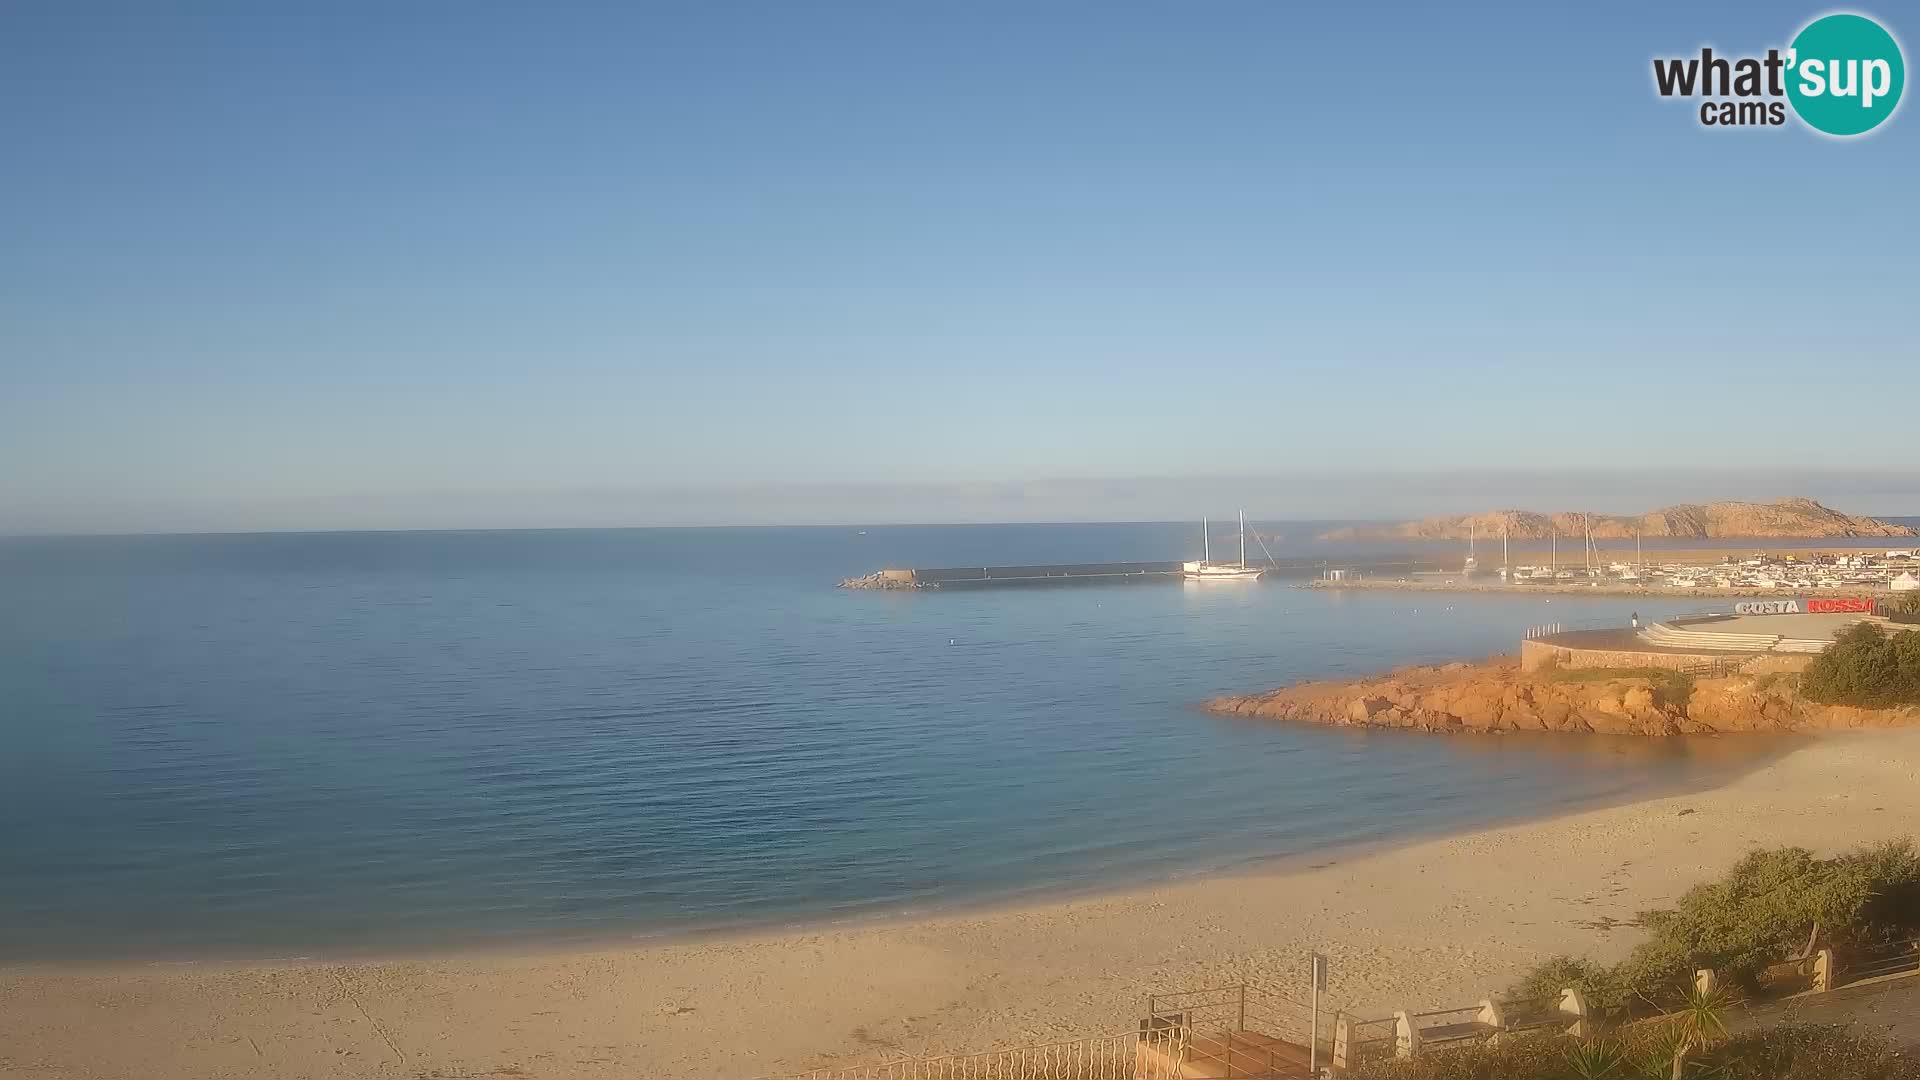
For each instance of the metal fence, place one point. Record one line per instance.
(1445, 1027)
(1241, 1031)
(1893, 959)
(1794, 975)
(1356, 1042)
(1549, 629)
(1530, 1014)
(1717, 668)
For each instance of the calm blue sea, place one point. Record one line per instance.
(328, 743)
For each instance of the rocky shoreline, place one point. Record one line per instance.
(1495, 696)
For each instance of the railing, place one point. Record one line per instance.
(1528, 1014)
(1234, 1055)
(1442, 1027)
(1357, 1042)
(1719, 668)
(1699, 615)
(1243, 1030)
(1794, 975)
(1418, 1033)
(1238, 1007)
(1894, 959)
(1158, 1054)
(1549, 629)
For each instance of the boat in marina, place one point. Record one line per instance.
(1208, 570)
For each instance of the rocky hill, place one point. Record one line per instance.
(1801, 519)
(1496, 696)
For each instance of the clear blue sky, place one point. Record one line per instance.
(454, 263)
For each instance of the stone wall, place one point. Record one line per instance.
(1537, 654)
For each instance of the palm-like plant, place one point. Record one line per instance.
(1698, 1023)
(1599, 1060)
(1663, 1056)
(1701, 1018)
(1659, 1049)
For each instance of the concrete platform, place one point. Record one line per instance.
(1888, 1007)
(1823, 627)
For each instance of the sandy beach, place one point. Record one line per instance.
(1429, 924)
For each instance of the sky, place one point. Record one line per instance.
(363, 265)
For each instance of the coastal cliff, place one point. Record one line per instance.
(1496, 696)
(1799, 519)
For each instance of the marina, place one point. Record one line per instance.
(1856, 570)
(1763, 573)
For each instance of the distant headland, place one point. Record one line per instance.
(1781, 519)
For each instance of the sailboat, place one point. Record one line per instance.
(1208, 570)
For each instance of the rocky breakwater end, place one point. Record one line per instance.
(1496, 697)
(880, 579)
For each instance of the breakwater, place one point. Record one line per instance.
(962, 577)
(965, 577)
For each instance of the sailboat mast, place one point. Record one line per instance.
(1243, 539)
(1206, 542)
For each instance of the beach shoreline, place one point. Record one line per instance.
(1743, 753)
(1420, 924)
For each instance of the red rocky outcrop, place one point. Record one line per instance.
(1496, 696)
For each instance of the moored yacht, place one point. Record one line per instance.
(1208, 570)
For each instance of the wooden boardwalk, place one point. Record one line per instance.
(1232, 1055)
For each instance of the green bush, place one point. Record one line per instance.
(1868, 667)
(1528, 1057)
(1675, 687)
(1904, 608)
(1596, 983)
(1809, 1051)
(1787, 1052)
(1760, 913)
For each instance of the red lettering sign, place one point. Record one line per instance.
(1849, 604)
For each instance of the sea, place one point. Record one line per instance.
(339, 744)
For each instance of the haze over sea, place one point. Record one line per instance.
(326, 743)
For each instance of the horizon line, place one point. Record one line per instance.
(816, 526)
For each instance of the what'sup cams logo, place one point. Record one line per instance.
(1842, 76)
